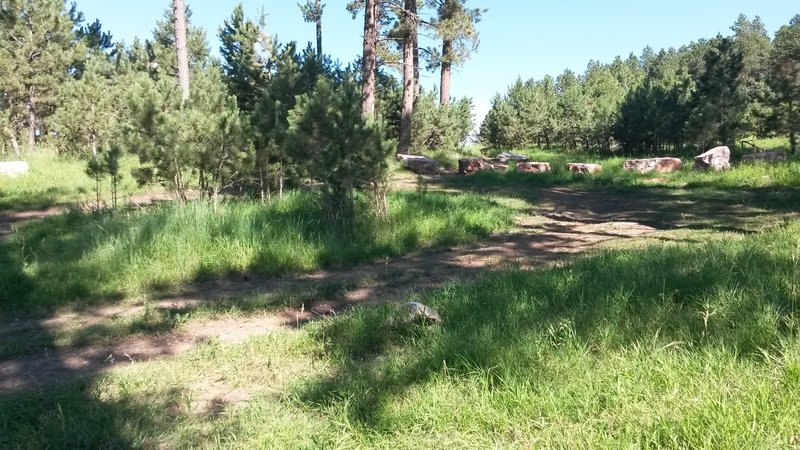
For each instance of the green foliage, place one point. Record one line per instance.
(67, 261)
(440, 127)
(41, 49)
(718, 106)
(245, 50)
(90, 107)
(203, 140)
(784, 79)
(339, 148)
(56, 179)
(678, 100)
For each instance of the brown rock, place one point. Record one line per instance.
(533, 167)
(584, 168)
(468, 166)
(767, 157)
(420, 165)
(660, 165)
(718, 158)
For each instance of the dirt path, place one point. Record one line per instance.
(564, 224)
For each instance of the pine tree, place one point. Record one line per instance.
(344, 151)
(245, 49)
(87, 117)
(312, 12)
(752, 41)
(37, 37)
(719, 102)
(784, 80)
(455, 26)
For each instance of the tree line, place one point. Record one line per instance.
(264, 117)
(710, 92)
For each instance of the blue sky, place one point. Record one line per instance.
(518, 38)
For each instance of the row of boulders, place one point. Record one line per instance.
(718, 158)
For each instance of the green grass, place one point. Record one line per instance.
(79, 258)
(741, 176)
(54, 180)
(673, 345)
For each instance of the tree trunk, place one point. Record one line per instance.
(444, 94)
(409, 91)
(793, 141)
(417, 85)
(31, 119)
(179, 16)
(15, 144)
(319, 28)
(369, 61)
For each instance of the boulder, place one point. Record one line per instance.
(420, 165)
(13, 168)
(508, 156)
(468, 166)
(415, 312)
(718, 158)
(584, 168)
(533, 167)
(660, 165)
(767, 157)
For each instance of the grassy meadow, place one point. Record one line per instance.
(83, 258)
(55, 180)
(686, 340)
(675, 345)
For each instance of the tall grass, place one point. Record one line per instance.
(54, 180)
(674, 345)
(82, 257)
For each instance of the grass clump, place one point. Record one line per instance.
(674, 345)
(80, 257)
(55, 180)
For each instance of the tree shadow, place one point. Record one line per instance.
(738, 298)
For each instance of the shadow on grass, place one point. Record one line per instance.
(738, 296)
(699, 205)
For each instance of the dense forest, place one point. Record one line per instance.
(264, 116)
(716, 91)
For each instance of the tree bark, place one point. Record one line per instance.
(15, 144)
(447, 67)
(31, 119)
(179, 16)
(409, 90)
(370, 58)
(319, 28)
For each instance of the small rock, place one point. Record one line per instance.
(718, 158)
(767, 157)
(468, 166)
(533, 167)
(660, 165)
(584, 168)
(415, 312)
(13, 168)
(420, 165)
(508, 156)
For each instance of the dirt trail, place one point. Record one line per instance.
(547, 235)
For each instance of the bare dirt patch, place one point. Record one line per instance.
(565, 224)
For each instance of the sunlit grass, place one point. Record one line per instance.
(55, 180)
(80, 257)
(673, 345)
